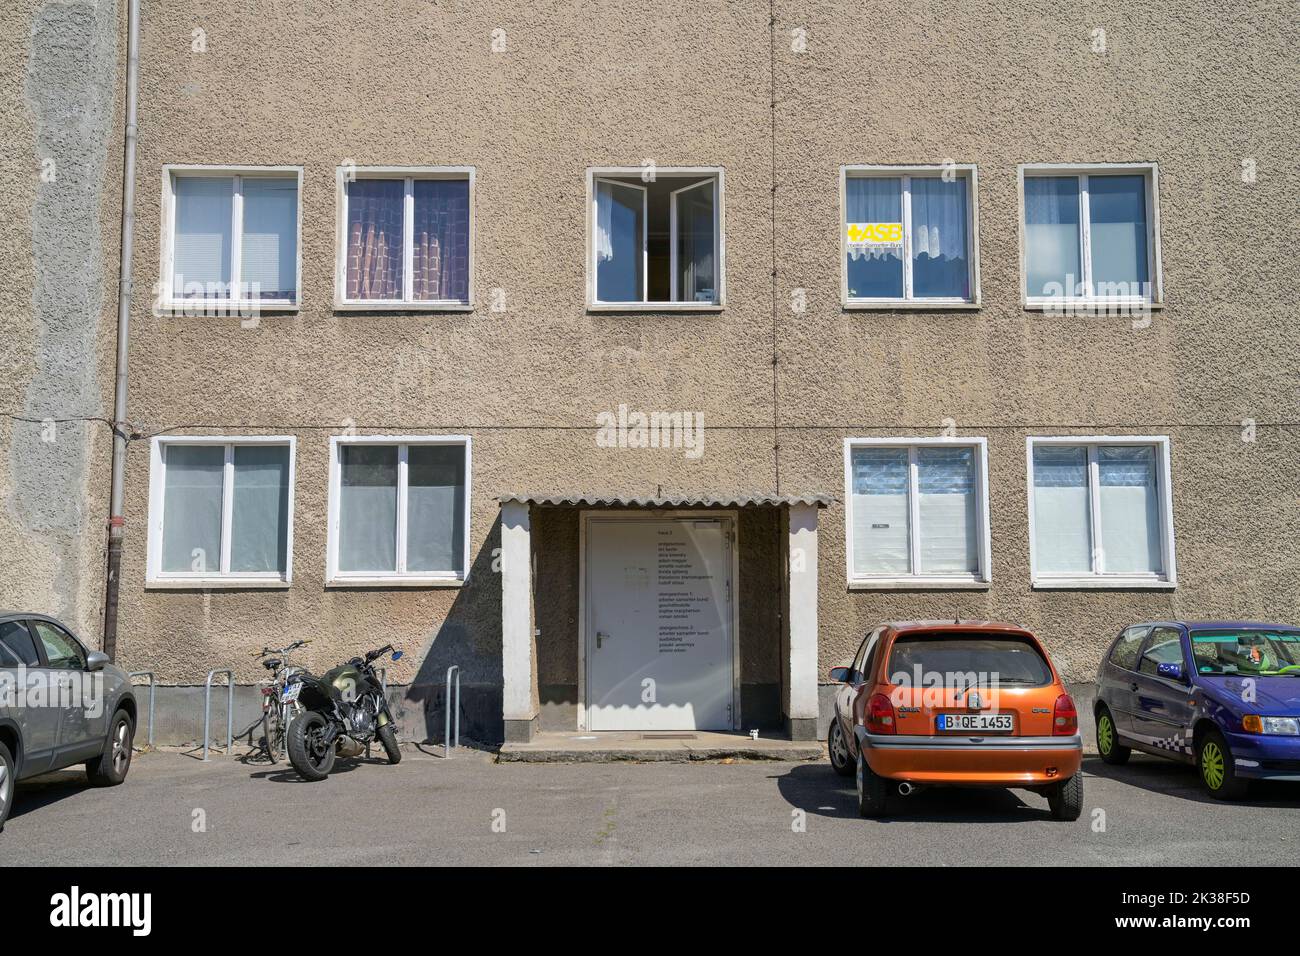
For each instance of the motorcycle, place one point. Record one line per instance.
(338, 714)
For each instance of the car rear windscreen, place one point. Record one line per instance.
(939, 660)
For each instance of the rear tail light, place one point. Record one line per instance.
(1065, 718)
(880, 715)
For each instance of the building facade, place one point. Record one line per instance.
(639, 360)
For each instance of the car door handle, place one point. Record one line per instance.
(601, 637)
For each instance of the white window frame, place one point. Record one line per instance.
(168, 300)
(982, 577)
(1090, 300)
(409, 174)
(690, 176)
(398, 578)
(1099, 579)
(906, 173)
(155, 577)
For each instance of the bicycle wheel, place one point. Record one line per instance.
(273, 731)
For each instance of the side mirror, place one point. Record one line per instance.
(841, 674)
(1173, 671)
(97, 661)
(397, 655)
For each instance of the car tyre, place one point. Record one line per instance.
(8, 783)
(110, 767)
(873, 790)
(1065, 799)
(1215, 764)
(1108, 745)
(311, 762)
(389, 740)
(837, 746)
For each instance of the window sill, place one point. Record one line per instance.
(382, 306)
(223, 582)
(1102, 583)
(654, 307)
(394, 581)
(1105, 308)
(917, 584)
(908, 305)
(224, 308)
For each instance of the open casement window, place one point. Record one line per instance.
(657, 243)
(405, 238)
(909, 237)
(399, 511)
(221, 511)
(230, 238)
(917, 512)
(1090, 236)
(1100, 513)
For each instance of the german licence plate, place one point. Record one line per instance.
(976, 723)
(291, 693)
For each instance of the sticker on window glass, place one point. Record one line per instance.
(874, 235)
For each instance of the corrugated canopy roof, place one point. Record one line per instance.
(722, 500)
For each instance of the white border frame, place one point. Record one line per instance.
(701, 173)
(905, 172)
(1155, 273)
(981, 579)
(586, 515)
(409, 174)
(155, 577)
(393, 579)
(167, 240)
(1164, 488)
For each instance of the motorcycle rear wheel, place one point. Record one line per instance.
(309, 756)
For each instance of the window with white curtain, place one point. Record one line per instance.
(231, 236)
(917, 512)
(221, 510)
(1100, 511)
(656, 238)
(405, 237)
(399, 510)
(908, 234)
(1089, 234)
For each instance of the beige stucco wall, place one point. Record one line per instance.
(61, 123)
(1195, 89)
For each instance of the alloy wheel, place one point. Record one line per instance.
(1212, 765)
(1105, 734)
(121, 747)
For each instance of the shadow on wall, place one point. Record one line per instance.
(470, 637)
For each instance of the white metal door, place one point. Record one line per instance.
(659, 624)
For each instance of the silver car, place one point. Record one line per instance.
(60, 705)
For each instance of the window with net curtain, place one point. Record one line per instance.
(937, 229)
(1125, 490)
(198, 490)
(380, 267)
(206, 223)
(945, 541)
(379, 482)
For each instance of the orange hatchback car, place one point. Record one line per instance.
(955, 703)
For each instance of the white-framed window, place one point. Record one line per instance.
(917, 512)
(909, 236)
(1100, 512)
(655, 239)
(398, 510)
(405, 238)
(220, 511)
(231, 237)
(1090, 235)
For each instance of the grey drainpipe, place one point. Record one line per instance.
(115, 520)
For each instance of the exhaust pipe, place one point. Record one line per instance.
(906, 789)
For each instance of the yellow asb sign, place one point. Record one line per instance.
(875, 233)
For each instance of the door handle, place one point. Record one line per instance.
(601, 636)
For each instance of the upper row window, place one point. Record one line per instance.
(910, 237)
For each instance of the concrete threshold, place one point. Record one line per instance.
(650, 746)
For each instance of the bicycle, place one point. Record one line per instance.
(277, 711)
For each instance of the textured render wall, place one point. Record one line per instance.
(60, 119)
(582, 85)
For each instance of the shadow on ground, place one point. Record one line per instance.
(1174, 779)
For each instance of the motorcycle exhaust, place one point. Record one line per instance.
(347, 747)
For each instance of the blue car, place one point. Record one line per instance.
(1223, 695)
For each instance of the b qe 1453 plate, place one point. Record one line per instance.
(976, 723)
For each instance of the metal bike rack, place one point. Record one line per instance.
(230, 709)
(446, 732)
(153, 686)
